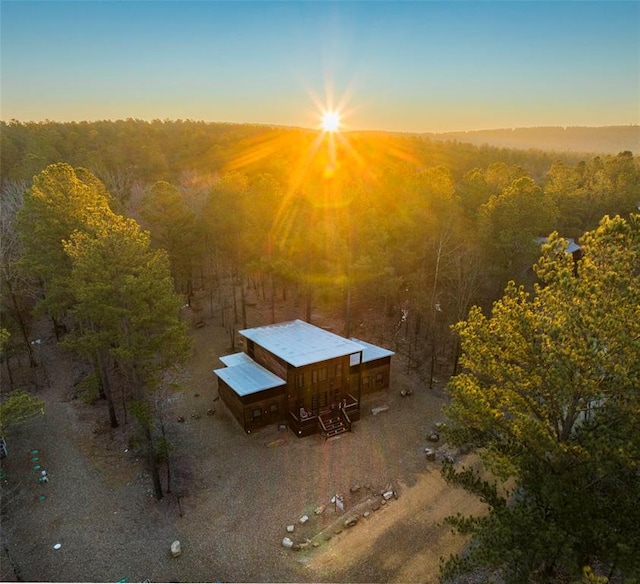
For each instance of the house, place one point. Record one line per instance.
(303, 375)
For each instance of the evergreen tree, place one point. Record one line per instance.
(124, 294)
(549, 394)
(60, 201)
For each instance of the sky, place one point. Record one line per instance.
(421, 66)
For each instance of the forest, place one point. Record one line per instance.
(397, 223)
(108, 228)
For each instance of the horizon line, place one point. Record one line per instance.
(305, 128)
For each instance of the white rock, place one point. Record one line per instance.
(304, 519)
(287, 542)
(379, 410)
(290, 528)
(176, 549)
(387, 495)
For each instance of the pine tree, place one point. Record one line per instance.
(549, 394)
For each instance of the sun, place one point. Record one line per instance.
(331, 121)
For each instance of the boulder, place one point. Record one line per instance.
(430, 454)
(351, 521)
(290, 528)
(176, 549)
(434, 437)
(287, 542)
(304, 519)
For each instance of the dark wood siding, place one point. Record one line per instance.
(256, 410)
(375, 376)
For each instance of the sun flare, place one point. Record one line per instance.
(331, 121)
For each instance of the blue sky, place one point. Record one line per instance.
(404, 66)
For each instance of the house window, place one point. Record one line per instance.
(274, 408)
(379, 378)
(318, 375)
(300, 380)
(339, 370)
(257, 414)
(365, 381)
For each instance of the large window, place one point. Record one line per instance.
(338, 370)
(318, 375)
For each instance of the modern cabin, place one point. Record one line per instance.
(303, 375)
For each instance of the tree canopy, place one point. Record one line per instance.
(549, 394)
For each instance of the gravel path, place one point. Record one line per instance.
(237, 492)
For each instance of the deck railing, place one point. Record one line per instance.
(303, 426)
(312, 423)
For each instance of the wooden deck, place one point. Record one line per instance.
(327, 422)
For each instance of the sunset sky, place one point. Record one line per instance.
(421, 66)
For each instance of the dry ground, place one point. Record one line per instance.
(233, 494)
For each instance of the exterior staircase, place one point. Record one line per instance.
(334, 423)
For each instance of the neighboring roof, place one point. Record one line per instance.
(236, 359)
(300, 343)
(572, 246)
(248, 378)
(370, 353)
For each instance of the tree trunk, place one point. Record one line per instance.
(244, 303)
(273, 299)
(309, 293)
(106, 386)
(166, 453)
(347, 310)
(153, 465)
(7, 359)
(23, 326)
(235, 300)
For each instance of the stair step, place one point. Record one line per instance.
(334, 425)
(336, 431)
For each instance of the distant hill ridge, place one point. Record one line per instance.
(590, 140)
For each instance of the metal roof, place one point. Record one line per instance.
(370, 353)
(300, 343)
(572, 246)
(248, 378)
(236, 359)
